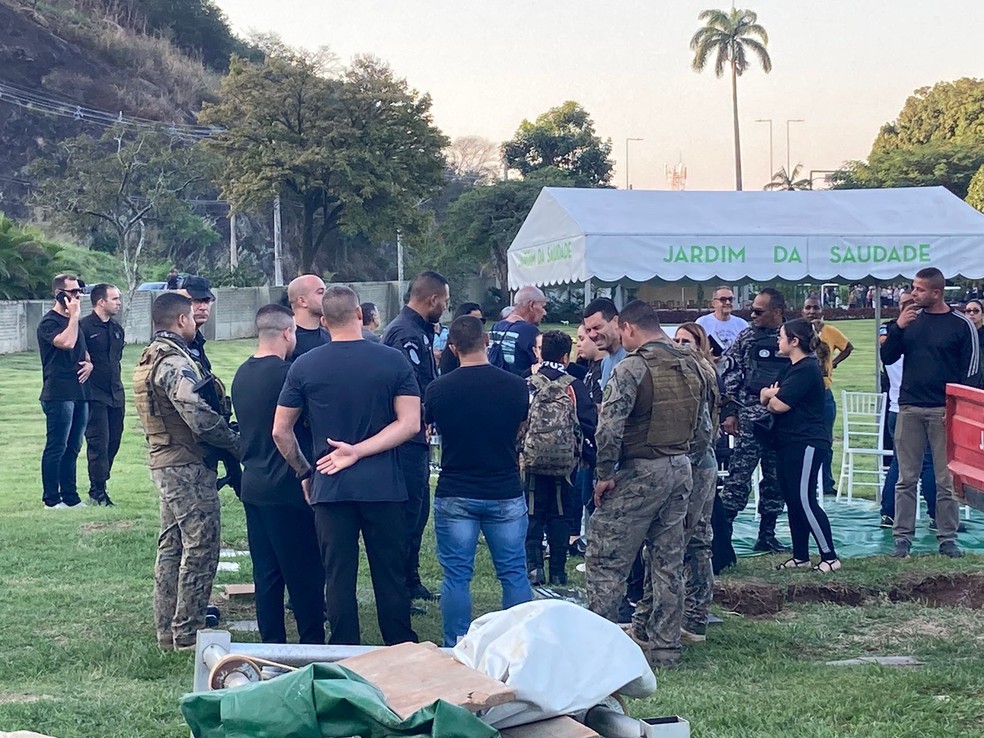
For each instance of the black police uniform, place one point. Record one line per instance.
(414, 336)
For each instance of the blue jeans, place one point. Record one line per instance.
(829, 416)
(927, 477)
(65, 423)
(457, 522)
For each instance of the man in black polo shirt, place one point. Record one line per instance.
(65, 369)
(362, 401)
(479, 409)
(412, 332)
(283, 543)
(304, 294)
(199, 290)
(104, 338)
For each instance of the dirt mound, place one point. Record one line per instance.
(756, 597)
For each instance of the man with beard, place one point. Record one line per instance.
(412, 332)
(304, 294)
(601, 324)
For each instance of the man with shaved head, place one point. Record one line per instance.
(304, 294)
(513, 338)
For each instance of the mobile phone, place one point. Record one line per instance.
(62, 298)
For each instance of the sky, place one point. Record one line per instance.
(845, 67)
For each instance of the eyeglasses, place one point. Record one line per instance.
(758, 311)
(725, 299)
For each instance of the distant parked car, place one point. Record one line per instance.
(151, 286)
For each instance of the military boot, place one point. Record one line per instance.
(767, 541)
(534, 563)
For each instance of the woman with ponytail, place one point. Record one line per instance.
(801, 443)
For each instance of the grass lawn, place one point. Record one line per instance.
(79, 655)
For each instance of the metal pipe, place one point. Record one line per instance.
(294, 654)
(611, 724)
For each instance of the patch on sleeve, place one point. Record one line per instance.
(608, 391)
(413, 351)
(188, 373)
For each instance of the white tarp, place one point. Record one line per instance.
(572, 235)
(559, 657)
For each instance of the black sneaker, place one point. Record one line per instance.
(902, 549)
(420, 592)
(625, 611)
(830, 492)
(950, 549)
(770, 544)
(887, 521)
(101, 499)
(577, 549)
(538, 577)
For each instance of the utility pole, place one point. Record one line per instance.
(772, 170)
(788, 159)
(399, 266)
(627, 185)
(233, 249)
(278, 261)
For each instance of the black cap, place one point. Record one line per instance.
(198, 288)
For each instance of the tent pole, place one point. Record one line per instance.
(587, 292)
(877, 345)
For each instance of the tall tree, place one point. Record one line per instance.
(564, 138)
(789, 181)
(472, 160)
(732, 37)
(122, 183)
(947, 111)
(975, 192)
(356, 150)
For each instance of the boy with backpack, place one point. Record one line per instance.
(559, 434)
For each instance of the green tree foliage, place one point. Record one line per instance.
(975, 192)
(123, 184)
(196, 26)
(732, 38)
(937, 139)
(25, 262)
(92, 266)
(789, 181)
(357, 151)
(481, 224)
(563, 138)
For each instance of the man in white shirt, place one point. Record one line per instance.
(721, 325)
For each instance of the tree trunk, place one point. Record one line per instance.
(501, 260)
(734, 106)
(307, 237)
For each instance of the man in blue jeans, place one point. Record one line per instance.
(478, 409)
(65, 369)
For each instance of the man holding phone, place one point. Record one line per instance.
(64, 398)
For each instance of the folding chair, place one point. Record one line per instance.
(864, 422)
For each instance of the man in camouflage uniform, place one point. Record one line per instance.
(648, 416)
(751, 363)
(175, 419)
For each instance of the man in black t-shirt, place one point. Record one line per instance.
(283, 544)
(516, 333)
(361, 400)
(105, 339)
(304, 294)
(65, 369)
(479, 409)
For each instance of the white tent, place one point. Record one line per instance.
(576, 235)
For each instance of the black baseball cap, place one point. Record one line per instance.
(198, 288)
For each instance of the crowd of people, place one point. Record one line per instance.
(628, 446)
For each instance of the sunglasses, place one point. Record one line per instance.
(76, 292)
(725, 299)
(758, 311)
(972, 311)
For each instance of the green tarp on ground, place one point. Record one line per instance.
(316, 701)
(857, 533)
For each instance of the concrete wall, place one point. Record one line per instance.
(232, 315)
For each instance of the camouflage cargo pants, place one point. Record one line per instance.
(647, 506)
(697, 569)
(747, 454)
(187, 551)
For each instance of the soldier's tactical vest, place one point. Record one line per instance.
(665, 415)
(170, 439)
(765, 363)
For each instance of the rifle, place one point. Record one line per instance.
(210, 389)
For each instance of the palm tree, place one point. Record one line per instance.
(787, 181)
(730, 36)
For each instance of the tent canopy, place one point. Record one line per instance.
(574, 235)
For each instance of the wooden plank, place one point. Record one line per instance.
(558, 727)
(238, 591)
(413, 675)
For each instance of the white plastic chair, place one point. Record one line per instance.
(864, 424)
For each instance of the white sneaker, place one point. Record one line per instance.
(581, 568)
(59, 506)
(77, 505)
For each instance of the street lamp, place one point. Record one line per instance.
(769, 121)
(627, 160)
(790, 120)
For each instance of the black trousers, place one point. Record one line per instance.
(283, 545)
(414, 459)
(382, 528)
(552, 503)
(102, 441)
(798, 467)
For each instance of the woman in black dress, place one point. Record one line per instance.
(796, 401)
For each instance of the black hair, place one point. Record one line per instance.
(58, 283)
(167, 308)
(555, 345)
(98, 292)
(600, 305)
(368, 308)
(466, 334)
(776, 300)
(467, 307)
(806, 332)
(338, 305)
(640, 314)
(426, 284)
(273, 317)
(934, 276)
